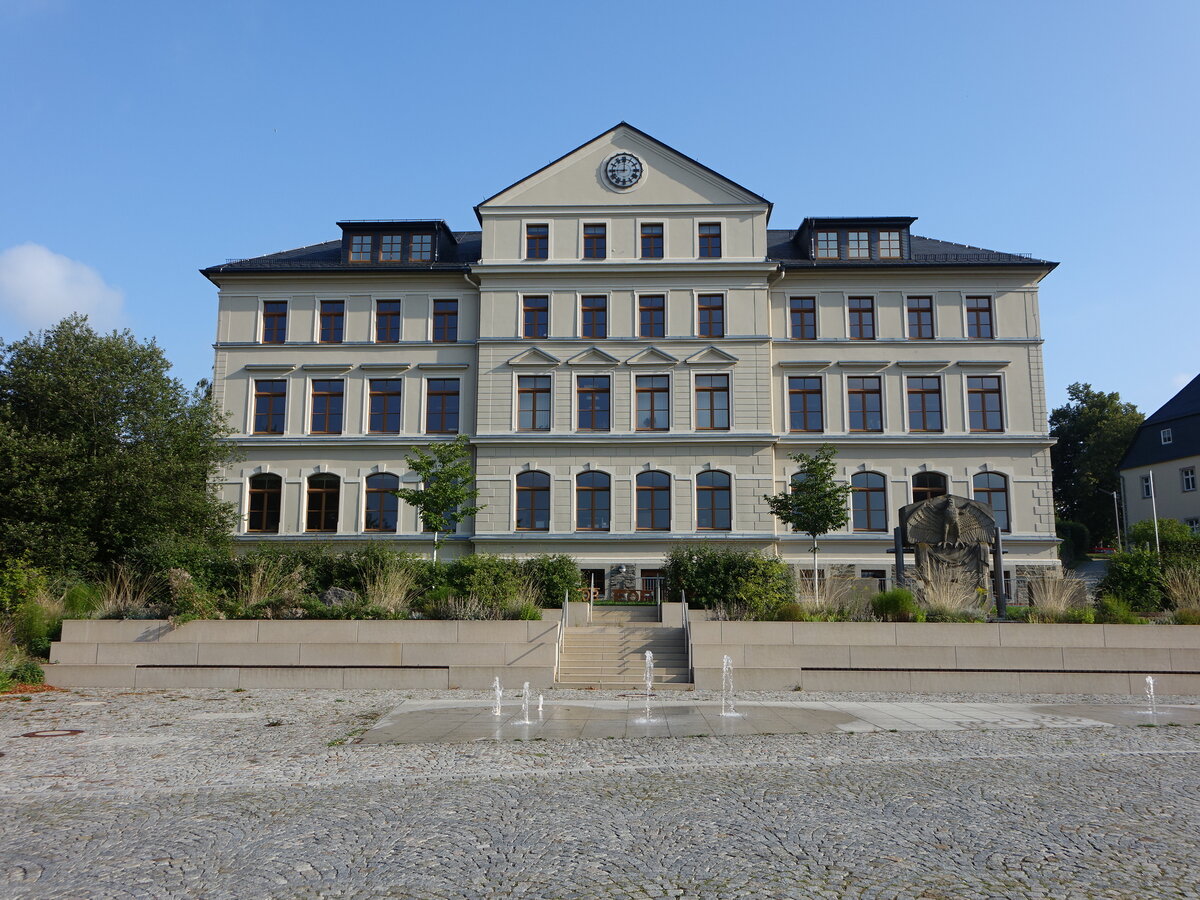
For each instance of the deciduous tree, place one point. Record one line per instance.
(447, 489)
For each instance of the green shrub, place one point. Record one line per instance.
(551, 576)
(735, 584)
(1136, 578)
(27, 672)
(526, 611)
(951, 615)
(790, 611)
(897, 605)
(492, 579)
(1188, 616)
(1112, 610)
(1170, 531)
(1075, 540)
(1018, 613)
(1076, 616)
(20, 582)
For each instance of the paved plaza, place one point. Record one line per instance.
(246, 794)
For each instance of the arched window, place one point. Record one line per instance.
(265, 494)
(869, 501)
(654, 501)
(992, 488)
(593, 501)
(383, 506)
(927, 485)
(323, 502)
(533, 501)
(714, 502)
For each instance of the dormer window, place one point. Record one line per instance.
(858, 245)
(1165, 436)
(391, 247)
(827, 245)
(889, 245)
(421, 249)
(360, 248)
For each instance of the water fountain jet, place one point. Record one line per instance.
(727, 705)
(499, 694)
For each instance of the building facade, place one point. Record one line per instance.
(634, 354)
(1158, 471)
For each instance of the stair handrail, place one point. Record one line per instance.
(687, 633)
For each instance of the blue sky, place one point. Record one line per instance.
(142, 141)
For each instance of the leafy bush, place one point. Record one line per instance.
(1018, 613)
(1187, 616)
(1170, 531)
(897, 605)
(1076, 540)
(37, 623)
(1136, 578)
(491, 578)
(735, 584)
(20, 582)
(27, 672)
(1112, 610)
(552, 576)
(1079, 616)
(790, 611)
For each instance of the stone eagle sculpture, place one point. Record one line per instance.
(951, 533)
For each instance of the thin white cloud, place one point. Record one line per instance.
(38, 287)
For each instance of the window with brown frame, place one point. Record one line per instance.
(533, 501)
(992, 488)
(803, 311)
(270, 406)
(924, 403)
(391, 247)
(652, 316)
(533, 402)
(593, 501)
(594, 314)
(862, 319)
(266, 494)
(865, 396)
(927, 485)
(387, 322)
(653, 402)
(804, 404)
(983, 403)
(360, 248)
(858, 245)
(889, 245)
(652, 241)
(535, 317)
(712, 402)
(868, 492)
(322, 510)
(382, 504)
(653, 501)
(445, 321)
(592, 399)
(711, 315)
(714, 501)
(537, 241)
(827, 245)
(333, 318)
(595, 241)
(920, 318)
(979, 318)
(441, 406)
(327, 407)
(274, 321)
(420, 248)
(384, 406)
(710, 240)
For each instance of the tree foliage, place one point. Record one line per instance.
(1093, 431)
(447, 489)
(814, 502)
(103, 456)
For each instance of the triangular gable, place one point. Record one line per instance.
(592, 356)
(651, 356)
(534, 357)
(710, 356)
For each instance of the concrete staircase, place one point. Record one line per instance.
(611, 652)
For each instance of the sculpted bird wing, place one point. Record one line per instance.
(974, 526)
(926, 525)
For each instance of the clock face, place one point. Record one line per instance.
(623, 170)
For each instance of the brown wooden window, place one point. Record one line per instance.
(537, 241)
(858, 245)
(712, 402)
(333, 320)
(274, 321)
(384, 406)
(653, 402)
(803, 311)
(595, 317)
(593, 501)
(827, 245)
(652, 316)
(889, 245)
(595, 241)
(533, 501)
(710, 240)
(653, 501)
(711, 315)
(360, 248)
(866, 403)
(983, 403)
(322, 509)
(979, 318)
(652, 241)
(383, 506)
(270, 406)
(714, 501)
(869, 501)
(441, 406)
(421, 248)
(920, 318)
(804, 404)
(387, 322)
(327, 407)
(592, 398)
(924, 403)
(266, 493)
(533, 402)
(992, 488)
(927, 485)
(535, 313)
(862, 319)
(445, 321)
(391, 247)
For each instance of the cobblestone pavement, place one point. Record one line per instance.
(230, 794)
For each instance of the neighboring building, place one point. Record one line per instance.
(634, 355)
(1159, 469)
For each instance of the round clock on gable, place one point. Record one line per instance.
(623, 170)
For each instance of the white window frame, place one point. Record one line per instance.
(728, 373)
(1166, 436)
(575, 376)
(1187, 476)
(787, 404)
(1147, 482)
(634, 376)
(883, 401)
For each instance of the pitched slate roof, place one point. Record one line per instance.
(782, 246)
(327, 256)
(1182, 415)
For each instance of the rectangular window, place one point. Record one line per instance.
(595, 241)
(327, 407)
(827, 245)
(653, 402)
(441, 406)
(1188, 477)
(384, 402)
(920, 318)
(421, 248)
(535, 317)
(983, 403)
(1147, 487)
(710, 240)
(803, 318)
(274, 321)
(804, 404)
(1194, 525)
(924, 403)
(387, 322)
(594, 317)
(652, 316)
(592, 398)
(391, 247)
(711, 316)
(533, 402)
(652, 241)
(866, 403)
(360, 248)
(858, 245)
(1166, 436)
(889, 245)
(979, 318)
(712, 402)
(862, 319)
(537, 241)
(270, 406)
(445, 321)
(333, 318)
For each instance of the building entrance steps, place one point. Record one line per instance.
(611, 652)
(621, 615)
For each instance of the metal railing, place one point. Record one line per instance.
(687, 634)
